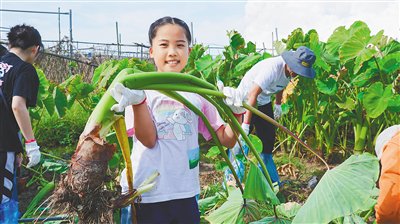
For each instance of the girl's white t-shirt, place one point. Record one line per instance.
(176, 153)
(269, 75)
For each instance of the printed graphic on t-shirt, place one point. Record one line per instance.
(175, 123)
(4, 68)
(194, 156)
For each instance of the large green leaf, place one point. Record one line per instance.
(342, 191)
(347, 104)
(60, 101)
(272, 220)
(335, 41)
(257, 186)
(234, 211)
(390, 63)
(297, 36)
(394, 104)
(246, 64)
(288, 209)
(356, 47)
(317, 48)
(328, 87)
(237, 41)
(363, 79)
(49, 104)
(376, 99)
(257, 143)
(43, 84)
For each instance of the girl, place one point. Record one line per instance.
(19, 84)
(166, 133)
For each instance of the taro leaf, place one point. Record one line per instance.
(362, 79)
(272, 220)
(237, 41)
(318, 50)
(344, 190)
(57, 167)
(394, 104)
(60, 101)
(204, 62)
(251, 47)
(356, 47)
(256, 143)
(390, 63)
(347, 104)
(206, 204)
(376, 38)
(288, 209)
(335, 41)
(49, 104)
(376, 99)
(257, 186)
(233, 210)
(297, 36)
(245, 64)
(352, 219)
(78, 88)
(44, 84)
(328, 87)
(107, 74)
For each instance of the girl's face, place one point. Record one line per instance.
(170, 48)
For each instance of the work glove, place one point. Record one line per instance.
(126, 97)
(277, 111)
(234, 98)
(33, 153)
(246, 128)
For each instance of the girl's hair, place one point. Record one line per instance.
(168, 20)
(24, 36)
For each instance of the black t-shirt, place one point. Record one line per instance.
(17, 78)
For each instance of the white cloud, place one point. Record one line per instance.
(261, 18)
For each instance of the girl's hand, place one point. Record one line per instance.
(126, 97)
(234, 98)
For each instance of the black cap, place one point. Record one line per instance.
(37, 40)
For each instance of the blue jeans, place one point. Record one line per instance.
(174, 211)
(271, 168)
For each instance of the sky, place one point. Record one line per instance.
(256, 20)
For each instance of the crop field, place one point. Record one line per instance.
(324, 149)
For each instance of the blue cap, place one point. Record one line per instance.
(300, 61)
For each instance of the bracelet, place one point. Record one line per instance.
(238, 115)
(30, 140)
(141, 102)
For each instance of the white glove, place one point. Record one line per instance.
(33, 153)
(246, 128)
(234, 98)
(277, 111)
(126, 97)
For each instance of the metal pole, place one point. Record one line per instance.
(141, 52)
(70, 34)
(59, 25)
(272, 43)
(191, 27)
(116, 29)
(120, 47)
(276, 32)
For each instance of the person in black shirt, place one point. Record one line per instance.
(3, 50)
(19, 84)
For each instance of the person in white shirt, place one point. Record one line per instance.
(268, 77)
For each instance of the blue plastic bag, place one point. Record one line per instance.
(9, 212)
(237, 164)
